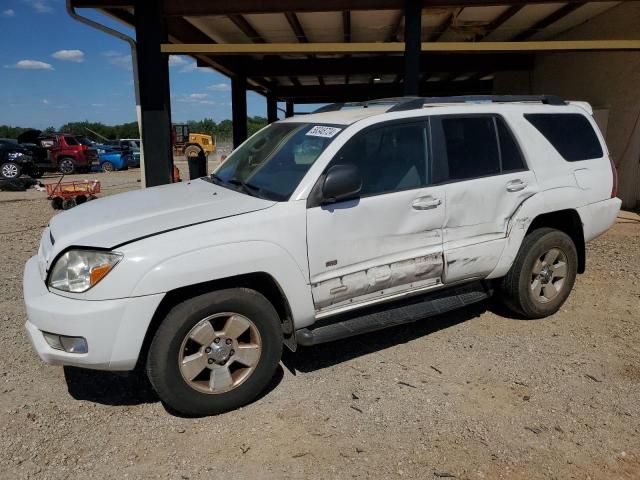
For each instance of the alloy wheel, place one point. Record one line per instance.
(548, 275)
(219, 353)
(10, 170)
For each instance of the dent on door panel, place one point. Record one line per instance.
(378, 281)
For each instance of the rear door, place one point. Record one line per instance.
(389, 240)
(486, 178)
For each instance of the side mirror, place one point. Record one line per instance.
(342, 182)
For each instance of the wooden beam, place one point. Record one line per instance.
(442, 28)
(296, 26)
(246, 28)
(394, 34)
(200, 7)
(548, 20)
(274, 66)
(398, 47)
(206, 8)
(498, 21)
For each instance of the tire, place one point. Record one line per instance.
(80, 199)
(68, 203)
(192, 151)
(56, 203)
(542, 275)
(36, 172)
(107, 167)
(10, 170)
(66, 166)
(91, 198)
(176, 379)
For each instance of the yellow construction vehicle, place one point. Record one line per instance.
(190, 144)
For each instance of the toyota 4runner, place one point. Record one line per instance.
(319, 227)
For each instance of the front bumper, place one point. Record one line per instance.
(114, 329)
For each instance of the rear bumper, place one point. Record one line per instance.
(114, 329)
(598, 217)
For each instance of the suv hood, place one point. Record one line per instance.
(112, 221)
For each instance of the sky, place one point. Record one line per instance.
(55, 70)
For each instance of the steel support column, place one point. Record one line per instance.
(239, 110)
(412, 45)
(289, 112)
(155, 106)
(272, 108)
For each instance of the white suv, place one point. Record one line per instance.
(320, 227)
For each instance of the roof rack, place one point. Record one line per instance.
(400, 104)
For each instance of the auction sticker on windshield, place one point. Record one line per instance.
(322, 131)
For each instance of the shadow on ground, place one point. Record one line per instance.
(133, 388)
(309, 359)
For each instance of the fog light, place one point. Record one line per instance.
(67, 344)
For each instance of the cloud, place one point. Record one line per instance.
(119, 59)
(97, 104)
(40, 6)
(197, 98)
(176, 61)
(31, 65)
(9, 12)
(69, 55)
(45, 101)
(219, 87)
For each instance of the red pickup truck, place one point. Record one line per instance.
(59, 151)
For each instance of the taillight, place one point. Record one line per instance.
(614, 172)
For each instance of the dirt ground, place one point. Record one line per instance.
(472, 394)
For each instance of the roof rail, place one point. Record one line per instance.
(391, 101)
(401, 104)
(412, 103)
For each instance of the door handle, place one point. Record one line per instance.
(426, 203)
(516, 186)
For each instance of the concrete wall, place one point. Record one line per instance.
(607, 80)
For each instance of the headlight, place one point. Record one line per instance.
(79, 270)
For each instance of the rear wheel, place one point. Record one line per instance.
(10, 170)
(215, 352)
(542, 275)
(107, 167)
(66, 166)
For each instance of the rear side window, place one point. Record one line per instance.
(466, 147)
(509, 151)
(471, 146)
(571, 134)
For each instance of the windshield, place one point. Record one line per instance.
(272, 163)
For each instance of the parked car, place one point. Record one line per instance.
(16, 160)
(111, 161)
(322, 227)
(58, 152)
(130, 148)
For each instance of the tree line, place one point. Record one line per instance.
(222, 131)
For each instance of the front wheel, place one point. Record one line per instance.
(215, 352)
(10, 170)
(107, 167)
(542, 275)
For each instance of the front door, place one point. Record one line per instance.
(389, 240)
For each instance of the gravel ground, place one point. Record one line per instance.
(472, 394)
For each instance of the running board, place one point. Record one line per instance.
(383, 316)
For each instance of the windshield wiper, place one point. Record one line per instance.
(246, 187)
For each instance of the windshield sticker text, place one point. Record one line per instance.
(321, 131)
